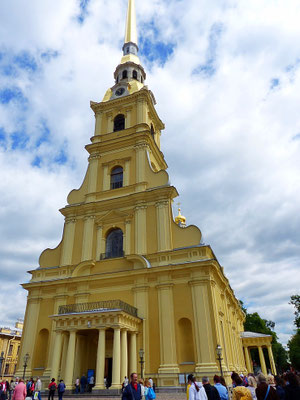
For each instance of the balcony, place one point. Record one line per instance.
(99, 306)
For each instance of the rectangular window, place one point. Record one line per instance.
(6, 369)
(18, 350)
(10, 350)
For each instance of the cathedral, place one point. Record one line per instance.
(130, 288)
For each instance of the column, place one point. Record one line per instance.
(124, 355)
(56, 355)
(141, 160)
(127, 244)
(93, 172)
(163, 226)
(29, 335)
(68, 242)
(271, 358)
(100, 360)
(206, 353)
(133, 354)
(70, 360)
(247, 358)
(141, 301)
(98, 123)
(100, 248)
(110, 123)
(141, 113)
(116, 380)
(128, 122)
(262, 360)
(106, 178)
(168, 356)
(126, 173)
(88, 238)
(140, 229)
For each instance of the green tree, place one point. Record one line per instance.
(294, 343)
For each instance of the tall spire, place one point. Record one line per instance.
(131, 32)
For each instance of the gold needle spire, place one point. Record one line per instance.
(131, 32)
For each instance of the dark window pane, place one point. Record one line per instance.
(134, 74)
(124, 74)
(116, 178)
(119, 123)
(114, 244)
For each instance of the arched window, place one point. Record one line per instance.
(114, 244)
(117, 79)
(152, 131)
(119, 123)
(134, 74)
(116, 178)
(142, 79)
(124, 74)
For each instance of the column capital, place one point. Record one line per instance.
(167, 285)
(70, 220)
(94, 157)
(162, 204)
(198, 282)
(88, 217)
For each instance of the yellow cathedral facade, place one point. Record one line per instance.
(127, 279)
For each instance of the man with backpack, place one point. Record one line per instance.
(132, 391)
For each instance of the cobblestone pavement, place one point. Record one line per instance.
(159, 396)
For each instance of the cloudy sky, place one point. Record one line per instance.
(226, 77)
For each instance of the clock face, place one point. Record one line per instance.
(120, 91)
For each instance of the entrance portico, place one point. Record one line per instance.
(99, 336)
(260, 341)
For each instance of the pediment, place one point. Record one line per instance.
(113, 216)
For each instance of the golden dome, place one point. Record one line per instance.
(180, 219)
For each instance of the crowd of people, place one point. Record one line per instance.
(261, 387)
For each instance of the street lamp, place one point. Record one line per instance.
(1, 362)
(141, 354)
(219, 353)
(26, 359)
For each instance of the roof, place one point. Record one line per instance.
(253, 335)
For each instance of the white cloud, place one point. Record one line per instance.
(228, 141)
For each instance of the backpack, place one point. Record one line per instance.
(151, 394)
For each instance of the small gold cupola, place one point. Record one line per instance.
(180, 219)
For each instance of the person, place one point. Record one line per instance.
(146, 388)
(133, 390)
(141, 382)
(77, 383)
(292, 390)
(83, 383)
(151, 382)
(38, 387)
(8, 391)
(223, 392)
(91, 383)
(52, 387)
(211, 392)
(61, 389)
(2, 390)
(32, 388)
(252, 386)
(20, 391)
(197, 391)
(222, 381)
(264, 391)
(271, 380)
(279, 387)
(239, 391)
(126, 381)
(189, 384)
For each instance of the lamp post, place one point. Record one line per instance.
(1, 362)
(26, 359)
(141, 354)
(219, 358)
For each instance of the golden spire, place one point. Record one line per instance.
(131, 32)
(180, 219)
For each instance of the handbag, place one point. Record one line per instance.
(151, 394)
(267, 393)
(36, 395)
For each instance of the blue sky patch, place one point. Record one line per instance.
(274, 83)
(49, 55)
(26, 61)
(37, 162)
(19, 140)
(44, 134)
(83, 11)
(208, 69)
(61, 158)
(9, 94)
(296, 137)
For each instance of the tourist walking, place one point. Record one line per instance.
(223, 392)
(133, 390)
(211, 392)
(197, 391)
(2, 390)
(20, 391)
(141, 382)
(239, 391)
(279, 387)
(38, 388)
(264, 391)
(77, 385)
(83, 383)
(52, 387)
(61, 389)
(252, 386)
(292, 390)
